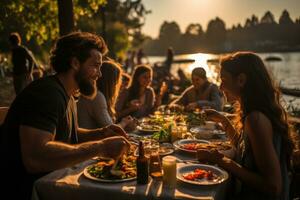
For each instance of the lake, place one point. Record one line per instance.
(285, 72)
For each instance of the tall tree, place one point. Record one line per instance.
(116, 17)
(268, 18)
(285, 18)
(194, 29)
(254, 20)
(169, 30)
(216, 33)
(65, 16)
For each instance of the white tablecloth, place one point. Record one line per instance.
(70, 183)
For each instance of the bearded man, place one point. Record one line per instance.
(40, 132)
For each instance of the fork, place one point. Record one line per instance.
(187, 161)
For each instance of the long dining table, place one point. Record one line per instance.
(70, 183)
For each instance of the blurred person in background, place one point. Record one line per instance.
(23, 63)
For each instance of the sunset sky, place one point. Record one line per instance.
(232, 12)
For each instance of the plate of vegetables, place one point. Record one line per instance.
(125, 170)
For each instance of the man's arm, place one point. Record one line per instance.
(182, 99)
(40, 153)
(85, 135)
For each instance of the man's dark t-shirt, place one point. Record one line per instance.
(44, 105)
(21, 58)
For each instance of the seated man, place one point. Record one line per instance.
(201, 94)
(40, 132)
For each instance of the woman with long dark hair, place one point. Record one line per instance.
(263, 144)
(139, 99)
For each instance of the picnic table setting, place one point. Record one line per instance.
(170, 141)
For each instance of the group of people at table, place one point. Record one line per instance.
(45, 130)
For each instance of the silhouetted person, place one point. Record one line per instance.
(169, 59)
(140, 56)
(22, 61)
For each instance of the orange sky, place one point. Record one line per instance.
(232, 12)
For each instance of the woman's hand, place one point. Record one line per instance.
(213, 115)
(212, 156)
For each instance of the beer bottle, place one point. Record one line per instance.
(142, 166)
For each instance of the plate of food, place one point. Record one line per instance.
(165, 149)
(148, 128)
(189, 145)
(125, 169)
(203, 133)
(200, 174)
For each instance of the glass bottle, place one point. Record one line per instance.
(142, 166)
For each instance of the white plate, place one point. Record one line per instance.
(220, 174)
(89, 176)
(148, 128)
(178, 144)
(202, 133)
(166, 149)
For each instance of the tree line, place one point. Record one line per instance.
(264, 35)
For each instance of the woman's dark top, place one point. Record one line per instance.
(245, 158)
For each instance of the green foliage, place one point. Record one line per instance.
(33, 19)
(119, 22)
(117, 39)
(37, 20)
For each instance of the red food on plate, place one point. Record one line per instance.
(199, 174)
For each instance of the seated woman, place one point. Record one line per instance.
(262, 141)
(139, 99)
(100, 112)
(201, 94)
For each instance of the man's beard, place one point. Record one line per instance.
(86, 87)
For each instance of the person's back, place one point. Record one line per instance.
(23, 61)
(19, 60)
(245, 157)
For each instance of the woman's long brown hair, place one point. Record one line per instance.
(134, 88)
(260, 93)
(109, 84)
